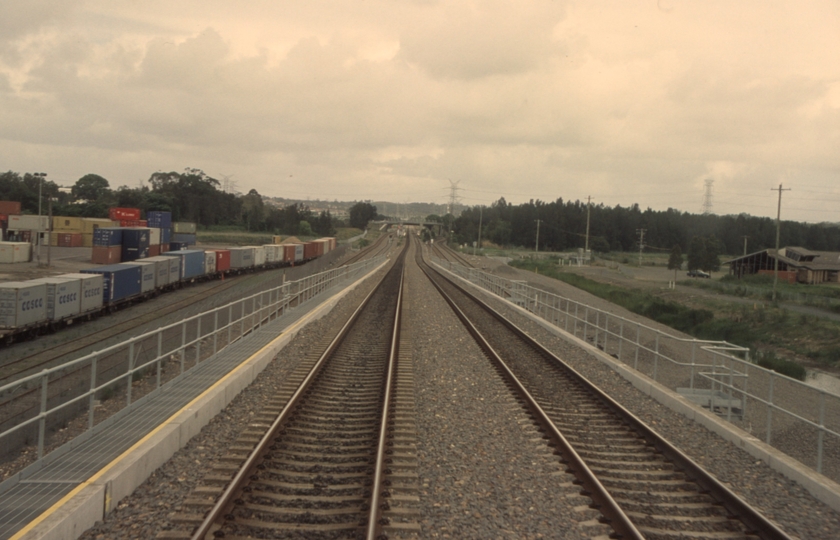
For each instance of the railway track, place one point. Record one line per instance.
(448, 254)
(380, 245)
(643, 485)
(336, 455)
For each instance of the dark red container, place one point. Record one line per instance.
(164, 248)
(310, 250)
(119, 214)
(10, 207)
(106, 255)
(154, 250)
(69, 239)
(222, 260)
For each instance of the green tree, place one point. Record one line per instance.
(91, 188)
(696, 253)
(253, 211)
(304, 228)
(361, 213)
(675, 260)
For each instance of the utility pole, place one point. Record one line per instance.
(745, 245)
(40, 177)
(480, 219)
(588, 207)
(537, 247)
(641, 233)
(778, 231)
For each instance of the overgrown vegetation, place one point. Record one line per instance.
(757, 327)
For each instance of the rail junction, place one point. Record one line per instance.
(337, 449)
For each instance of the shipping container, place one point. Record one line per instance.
(67, 224)
(310, 250)
(165, 235)
(10, 207)
(148, 274)
(173, 265)
(108, 236)
(209, 262)
(106, 255)
(277, 240)
(259, 255)
(92, 290)
(135, 244)
(15, 252)
(177, 246)
(161, 220)
(29, 223)
(22, 303)
(222, 260)
(241, 257)
(154, 250)
(164, 247)
(51, 239)
(324, 245)
(154, 236)
(64, 297)
(273, 253)
(183, 238)
(119, 281)
(119, 214)
(91, 224)
(132, 223)
(87, 239)
(183, 227)
(68, 239)
(192, 262)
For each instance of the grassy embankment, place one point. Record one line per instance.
(764, 329)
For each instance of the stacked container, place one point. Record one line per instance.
(120, 281)
(67, 239)
(10, 208)
(22, 303)
(124, 214)
(92, 286)
(135, 244)
(185, 239)
(89, 225)
(183, 227)
(107, 245)
(192, 262)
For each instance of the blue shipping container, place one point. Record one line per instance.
(159, 220)
(135, 243)
(107, 236)
(192, 262)
(165, 235)
(184, 238)
(119, 281)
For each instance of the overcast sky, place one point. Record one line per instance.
(624, 101)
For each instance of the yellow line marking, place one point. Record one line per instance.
(96, 476)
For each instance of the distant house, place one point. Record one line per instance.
(796, 265)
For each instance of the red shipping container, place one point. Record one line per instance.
(4, 218)
(310, 250)
(142, 223)
(106, 255)
(164, 248)
(119, 214)
(130, 223)
(154, 250)
(69, 239)
(10, 207)
(222, 260)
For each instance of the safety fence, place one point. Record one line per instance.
(104, 383)
(799, 419)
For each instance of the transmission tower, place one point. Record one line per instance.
(707, 197)
(453, 196)
(227, 184)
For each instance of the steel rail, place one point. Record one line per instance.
(225, 500)
(755, 522)
(374, 528)
(593, 488)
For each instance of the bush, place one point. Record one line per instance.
(770, 361)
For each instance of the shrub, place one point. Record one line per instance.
(770, 361)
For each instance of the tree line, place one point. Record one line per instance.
(191, 195)
(563, 227)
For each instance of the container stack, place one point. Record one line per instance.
(160, 224)
(183, 234)
(107, 245)
(7, 208)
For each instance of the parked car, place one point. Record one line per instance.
(698, 273)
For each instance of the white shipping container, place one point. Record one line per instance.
(168, 269)
(91, 287)
(259, 255)
(148, 274)
(15, 252)
(22, 303)
(270, 253)
(64, 297)
(154, 237)
(29, 223)
(209, 262)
